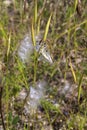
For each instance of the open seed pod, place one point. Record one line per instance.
(26, 49)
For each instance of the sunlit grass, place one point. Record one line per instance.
(18, 75)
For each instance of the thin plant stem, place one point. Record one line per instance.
(3, 124)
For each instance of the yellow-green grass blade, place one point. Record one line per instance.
(80, 87)
(9, 45)
(33, 34)
(38, 25)
(35, 11)
(4, 34)
(47, 28)
(73, 72)
(76, 2)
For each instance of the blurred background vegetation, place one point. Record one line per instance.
(65, 104)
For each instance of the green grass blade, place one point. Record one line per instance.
(33, 34)
(47, 28)
(80, 87)
(35, 53)
(73, 72)
(38, 25)
(75, 27)
(35, 11)
(76, 2)
(4, 33)
(9, 45)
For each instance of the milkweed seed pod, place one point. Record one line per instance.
(26, 49)
(37, 93)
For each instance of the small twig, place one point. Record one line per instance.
(1, 89)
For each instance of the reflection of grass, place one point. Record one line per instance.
(70, 36)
